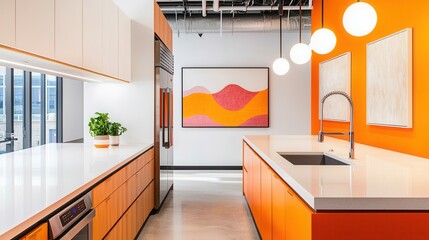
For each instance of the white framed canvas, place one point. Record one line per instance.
(335, 75)
(389, 89)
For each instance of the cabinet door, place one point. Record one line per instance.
(7, 22)
(93, 35)
(298, 217)
(124, 47)
(68, 31)
(35, 27)
(256, 189)
(110, 38)
(40, 233)
(156, 18)
(278, 207)
(266, 222)
(245, 182)
(247, 156)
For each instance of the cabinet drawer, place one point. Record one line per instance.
(145, 204)
(40, 233)
(126, 227)
(145, 158)
(104, 189)
(131, 169)
(145, 176)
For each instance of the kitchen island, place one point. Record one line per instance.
(379, 194)
(37, 181)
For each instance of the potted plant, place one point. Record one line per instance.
(115, 130)
(99, 129)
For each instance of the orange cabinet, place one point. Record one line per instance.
(256, 189)
(266, 202)
(162, 28)
(278, 208)
(39, 233)
(298, 217)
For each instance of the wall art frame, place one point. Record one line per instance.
(389, 80)
(335, 75)
(225, 97)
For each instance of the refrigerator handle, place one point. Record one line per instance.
(168, 143)
(164, 144)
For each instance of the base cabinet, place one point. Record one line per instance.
(292, 219)
(124, 200)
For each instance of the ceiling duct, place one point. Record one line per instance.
(239, 23)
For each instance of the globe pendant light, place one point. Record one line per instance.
(281, 65)
(300, 53)
(323, 40)
(359, 19)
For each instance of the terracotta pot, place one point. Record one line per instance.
(101, 141)
(114, 140)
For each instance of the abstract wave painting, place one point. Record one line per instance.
(225, 97)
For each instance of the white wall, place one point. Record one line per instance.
(72, 110)
(129, 103)
(289, 95)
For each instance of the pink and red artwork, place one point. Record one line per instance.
(225, 97)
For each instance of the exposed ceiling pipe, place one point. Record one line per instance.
(204, 8)
(216, 5)
(240, 23)
(235, 8)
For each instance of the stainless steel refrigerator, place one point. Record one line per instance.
(164, 70)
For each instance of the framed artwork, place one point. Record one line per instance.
(234, 97)
(335, 75)
(389, 89)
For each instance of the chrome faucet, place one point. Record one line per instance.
(321, 134)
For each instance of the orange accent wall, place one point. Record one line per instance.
(393, 16)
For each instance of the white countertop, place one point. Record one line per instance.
(377, 179)
(37, 181)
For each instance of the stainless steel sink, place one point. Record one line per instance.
(311, 159)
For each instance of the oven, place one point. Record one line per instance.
(74, 221)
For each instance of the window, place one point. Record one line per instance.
(30, 111)
(2, 108)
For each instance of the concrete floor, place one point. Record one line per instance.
(204, 205)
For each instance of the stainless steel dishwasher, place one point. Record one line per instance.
(74, 221)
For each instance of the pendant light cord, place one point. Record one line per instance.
(300, 20)
(281, 27)
(322, 11)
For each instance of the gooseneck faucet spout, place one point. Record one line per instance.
(321, 134)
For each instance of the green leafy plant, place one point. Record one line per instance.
(99, 125)
(116, 129)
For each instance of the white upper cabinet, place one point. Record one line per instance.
(35, 26)
(7, 22)
(124, 47)
(68, 31)
(110, 38)
(93, 35)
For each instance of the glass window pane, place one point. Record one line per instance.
(2, 108)
(51, 109)
(36, 109)
(18, 108)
